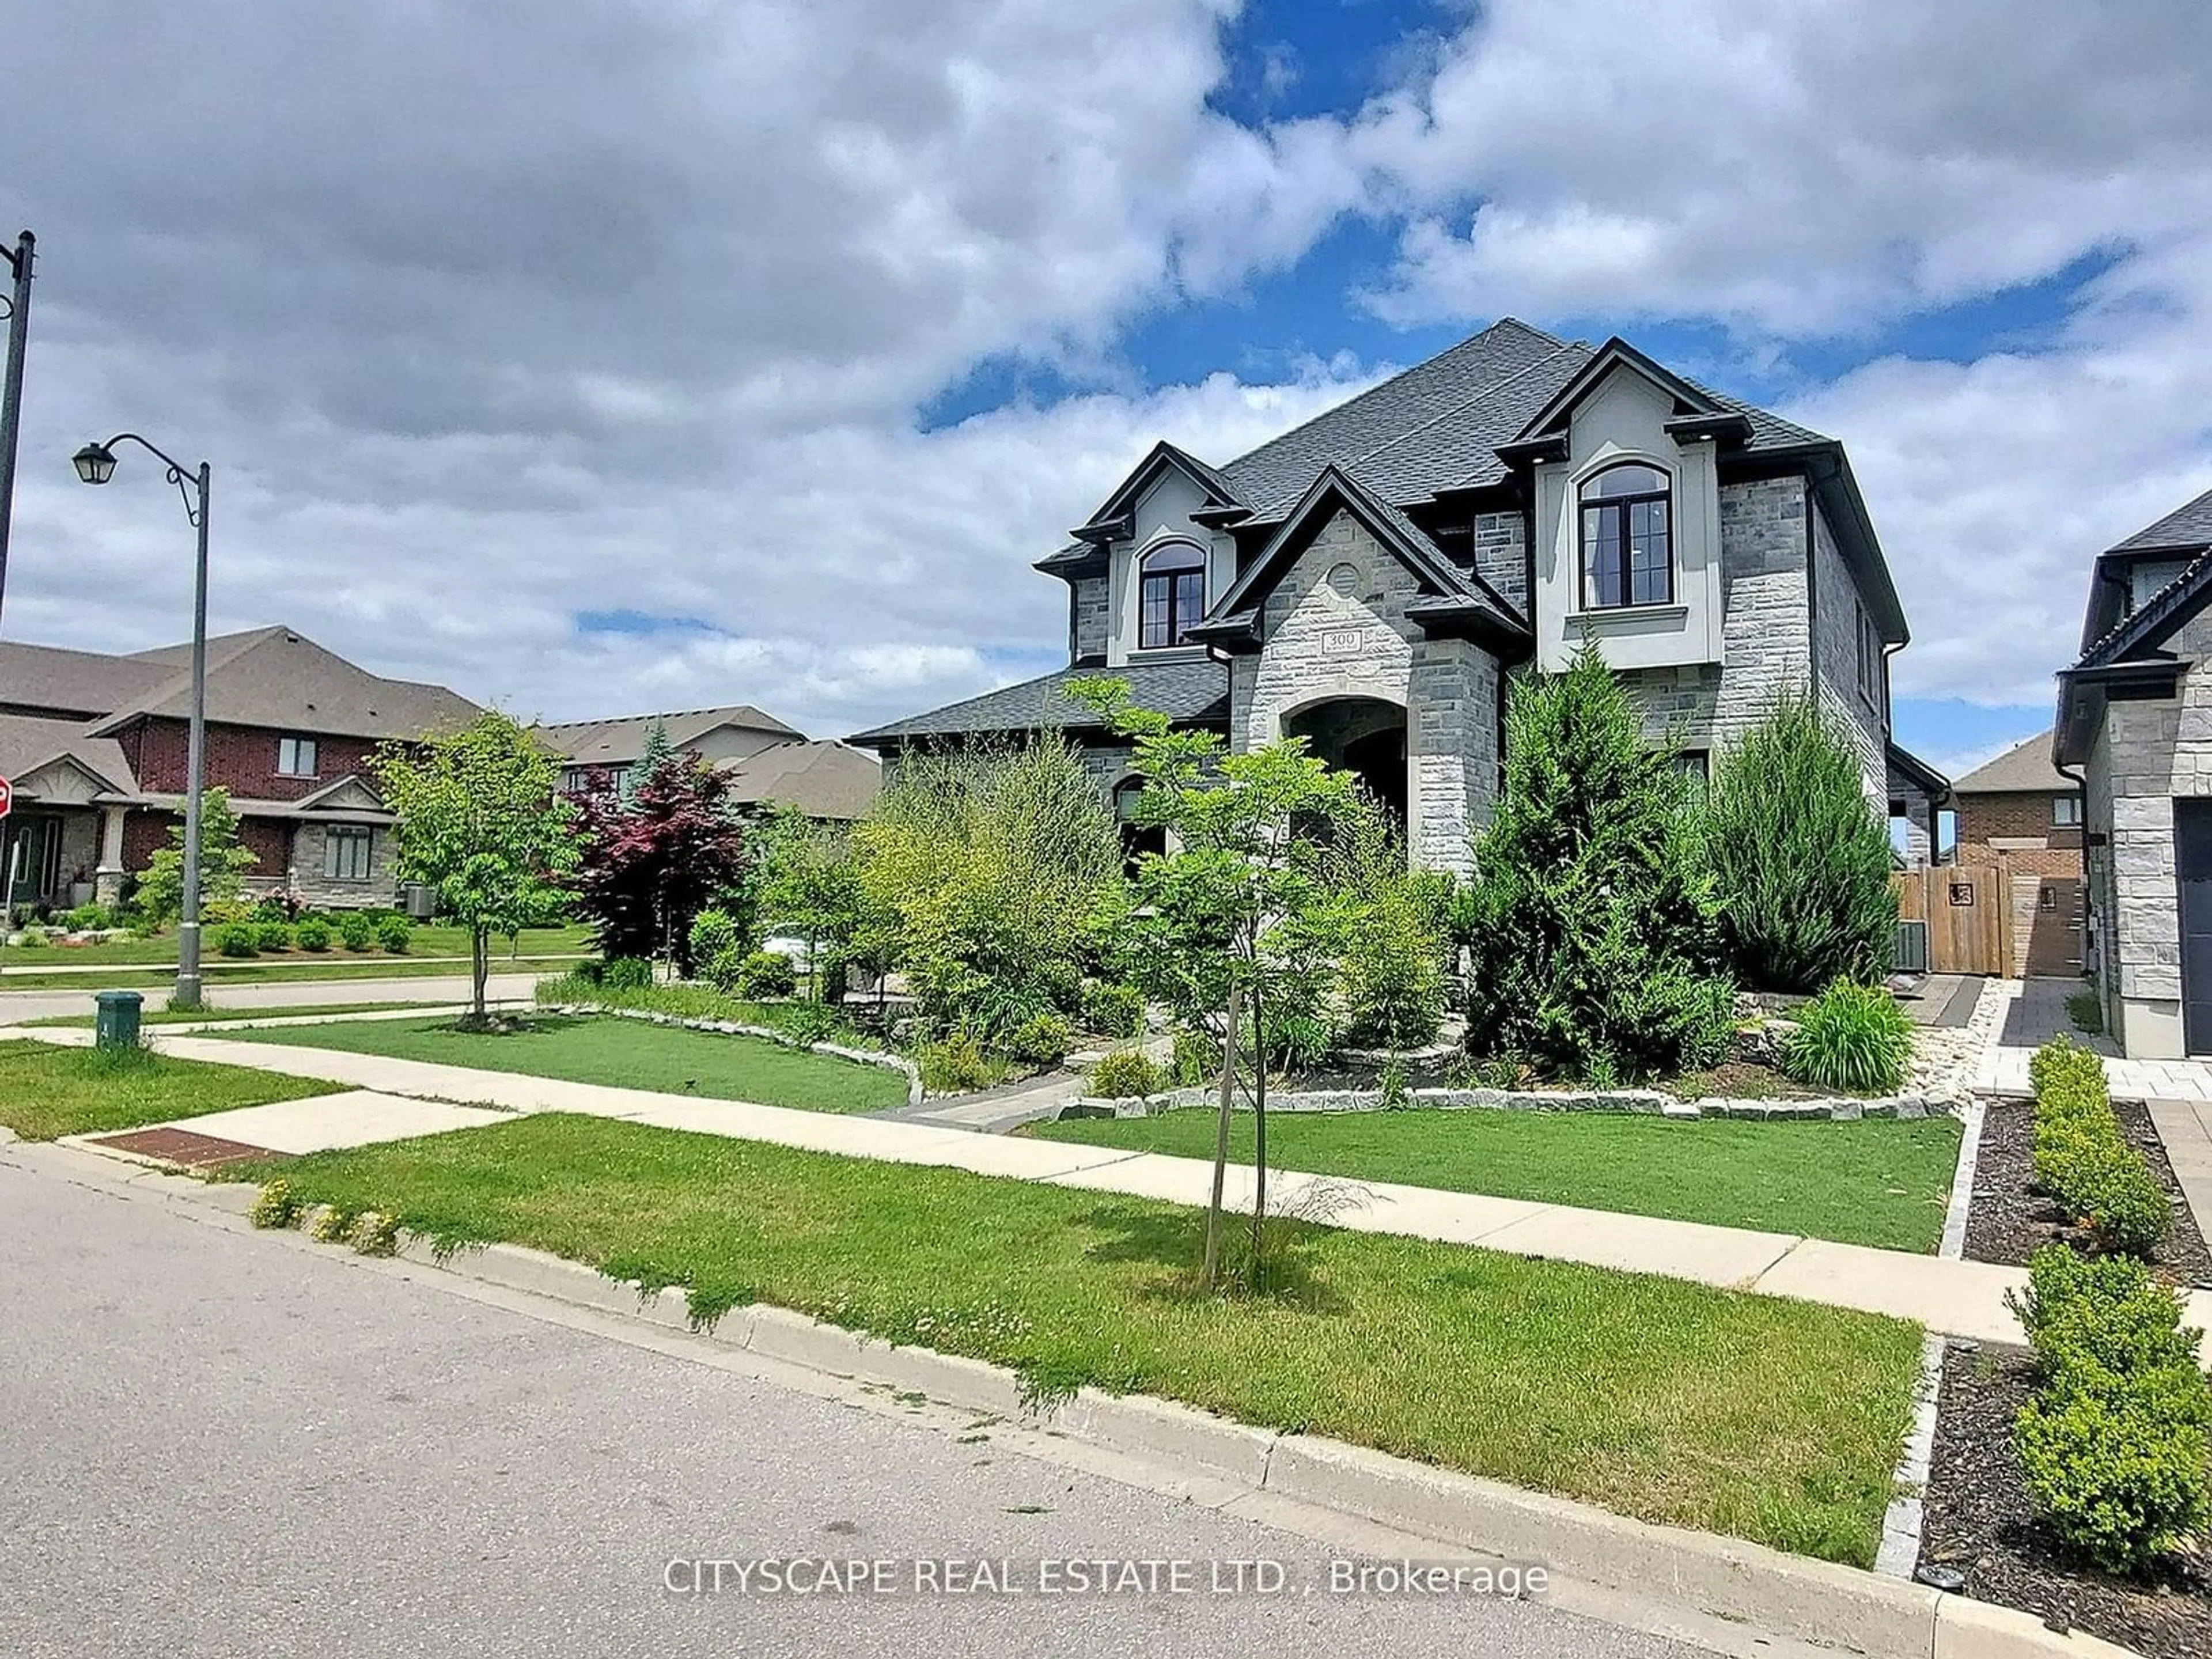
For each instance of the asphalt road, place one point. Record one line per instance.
(223, 1443)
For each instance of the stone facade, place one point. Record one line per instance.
(1335, 627)
(1859, 711)
(2147, 753)
(1764, 635)
(1501, 555)
(331, 892)
(1090, 618)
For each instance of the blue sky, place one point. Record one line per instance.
(756, 361)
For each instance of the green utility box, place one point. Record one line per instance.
(116, 1024)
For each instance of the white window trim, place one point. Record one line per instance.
(298, 741)
(349, 834)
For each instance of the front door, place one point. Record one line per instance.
(2192, 870)
(30, 857)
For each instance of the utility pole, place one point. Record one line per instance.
(19, 259)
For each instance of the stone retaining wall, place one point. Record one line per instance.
(1645, 1102)
(767, 1033)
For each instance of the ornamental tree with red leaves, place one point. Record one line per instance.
(657, 854)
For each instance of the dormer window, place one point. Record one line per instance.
(1171, 594)
(1628, 547)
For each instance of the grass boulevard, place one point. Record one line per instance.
(1769, 1419)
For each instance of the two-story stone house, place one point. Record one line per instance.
(1374, 579)
(95, 748)
(2135, 726)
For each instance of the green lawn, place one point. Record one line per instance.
(47, 1091)
(1883, 1183)
(627, 1054)
(1765, 1419)
(335, 966)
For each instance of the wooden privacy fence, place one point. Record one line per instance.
(1992, 915)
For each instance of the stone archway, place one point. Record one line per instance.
(1363, 735)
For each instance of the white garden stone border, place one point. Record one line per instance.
(1645, 1101)
(767, 1033)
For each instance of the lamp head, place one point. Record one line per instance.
(94, 463)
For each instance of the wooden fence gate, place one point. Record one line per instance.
(1995, 918)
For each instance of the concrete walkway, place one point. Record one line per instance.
(2037, 1013)
(17, 1006)
(1955, 1297)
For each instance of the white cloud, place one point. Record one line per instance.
(1800, 169)
(492, 314)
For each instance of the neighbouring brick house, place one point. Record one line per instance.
(95, 746)
(2135, 723)
(768, 763)
(1373, 580)
(2021, 802)
(2021, 815)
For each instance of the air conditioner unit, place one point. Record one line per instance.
(421, 903)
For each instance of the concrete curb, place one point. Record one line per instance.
(1808, 1600)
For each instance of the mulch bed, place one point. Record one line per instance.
(2008, 1223)
(1979, 1521)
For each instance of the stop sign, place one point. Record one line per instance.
(6, 797)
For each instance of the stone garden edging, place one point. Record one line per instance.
(1645, 1101)
(737, 1028)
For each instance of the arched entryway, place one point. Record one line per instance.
(1366, 735)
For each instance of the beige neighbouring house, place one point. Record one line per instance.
(769, 763)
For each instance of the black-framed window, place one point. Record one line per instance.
(348, 853)
(1628, 541)
(1870, 674)
(1171, 594)
(295, 756)
(2066, 811)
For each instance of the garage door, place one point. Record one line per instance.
(2192, 869)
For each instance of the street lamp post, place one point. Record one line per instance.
(95, 464)
(18, 302)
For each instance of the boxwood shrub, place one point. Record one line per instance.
(2113, 1446)
(2082, 1158)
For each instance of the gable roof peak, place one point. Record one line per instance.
(2188, 527)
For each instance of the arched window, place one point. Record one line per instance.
(1171, 594)
(1628, 546)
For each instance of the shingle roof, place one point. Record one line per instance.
(2024, 769)
(28, 743)
(278, 678)
(619, 741)
(821, 779)
(80, 682)
(2188, 527)
(1435, 426)
(267, 677)
(1194, 689)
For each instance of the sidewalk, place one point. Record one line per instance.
(17, 1006)
(1955, 1297)
(2037, 1012)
